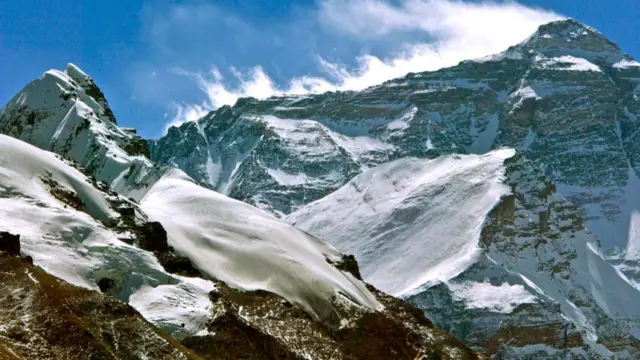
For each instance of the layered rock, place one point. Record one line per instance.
(578, 306)
(566, 98)
(537, 281)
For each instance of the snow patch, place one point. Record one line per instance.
(403, 122)
(484, 140)
(511, 54)
(503, 298)
(285, 178)
(626, 63)
(429, 145)
(567, 62)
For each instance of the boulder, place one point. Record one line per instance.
(9, 243)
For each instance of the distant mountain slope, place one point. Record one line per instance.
(567, 98)
(225, 278)
(410, 221)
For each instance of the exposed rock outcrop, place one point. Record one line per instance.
(42, 317)
(9, 243)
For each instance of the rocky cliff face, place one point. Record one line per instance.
(528, 281)
(535, 239)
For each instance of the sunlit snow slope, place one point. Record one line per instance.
(410, 221)
(494, 232)
(249, 248)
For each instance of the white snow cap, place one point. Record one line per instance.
(75, 72)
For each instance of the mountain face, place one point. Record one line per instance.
(566, 99)
(225, 279)
(523, 254)
(411, 221)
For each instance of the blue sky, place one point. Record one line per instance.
(162, 62)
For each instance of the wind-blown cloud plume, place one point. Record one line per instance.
(432, 34)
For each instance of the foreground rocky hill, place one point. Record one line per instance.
(225, 279)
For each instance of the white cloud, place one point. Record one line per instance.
(453, 31)
(186, 112)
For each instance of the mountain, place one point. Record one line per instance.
(566, 99)
(499, 196)
(225, 279)
(410, 221)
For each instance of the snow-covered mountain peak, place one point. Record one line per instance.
(65, 112)
(76, 73)
(90, 88)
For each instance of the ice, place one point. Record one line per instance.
(285, 178)
(512, 54)
(626, 63)
(574, 63)
(402, 123)
(528, 140)
(484, 141)
(429, 145)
